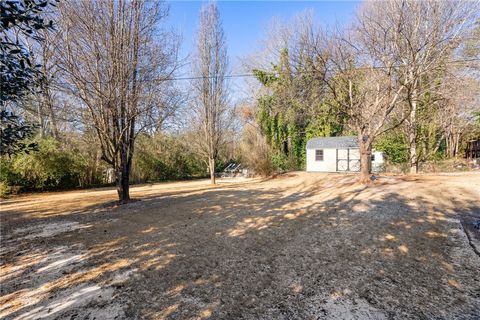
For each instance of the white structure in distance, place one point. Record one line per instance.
(339, 154)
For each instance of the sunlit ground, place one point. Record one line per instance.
(305, 246)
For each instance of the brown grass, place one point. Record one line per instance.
(297, 246)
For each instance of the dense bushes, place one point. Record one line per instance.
(394, 146)
(54, 167)
(76, 163)
(51, 167)
(165, 157)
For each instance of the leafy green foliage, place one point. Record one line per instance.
(17, 69)
(51, 167)
(280, 161)
(477, 117)
(13, 133)
(325, 122)
(294, 111)
(394, 145)
(8, 177)
(18, 74)
(164, 157)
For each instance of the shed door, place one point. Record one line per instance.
(348, 160)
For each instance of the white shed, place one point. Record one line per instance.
(337, 154)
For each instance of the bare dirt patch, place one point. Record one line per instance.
(302, 246)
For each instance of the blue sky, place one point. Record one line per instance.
(244, 21)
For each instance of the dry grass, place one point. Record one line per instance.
(306, 246)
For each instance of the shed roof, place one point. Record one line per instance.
(333, 142)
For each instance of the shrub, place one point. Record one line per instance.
(447, 165)
(255, 153)
(280, 161)
(4, 189)
(394, 146)
(51, 167)
(165, 157)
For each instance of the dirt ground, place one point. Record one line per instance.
(300, 246)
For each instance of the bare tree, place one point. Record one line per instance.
(459, 104)
(421, 37)
(49, 72)
(43, 104)
(210, 88)
(384, 60)
(363, 92)
(114, 57)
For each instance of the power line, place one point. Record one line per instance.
(245, 75)
(251, 75)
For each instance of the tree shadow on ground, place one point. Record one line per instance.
(277, 253)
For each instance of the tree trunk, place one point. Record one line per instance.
(457, 144)
(365, 158)
(211, 165)
(40, 120)
(447, 145)
(412, 136)
(123, 182)
(53, 120)
(47, 100)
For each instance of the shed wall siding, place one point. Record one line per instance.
(329, 163)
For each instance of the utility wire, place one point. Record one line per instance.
(245, 75)
(250, 75)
